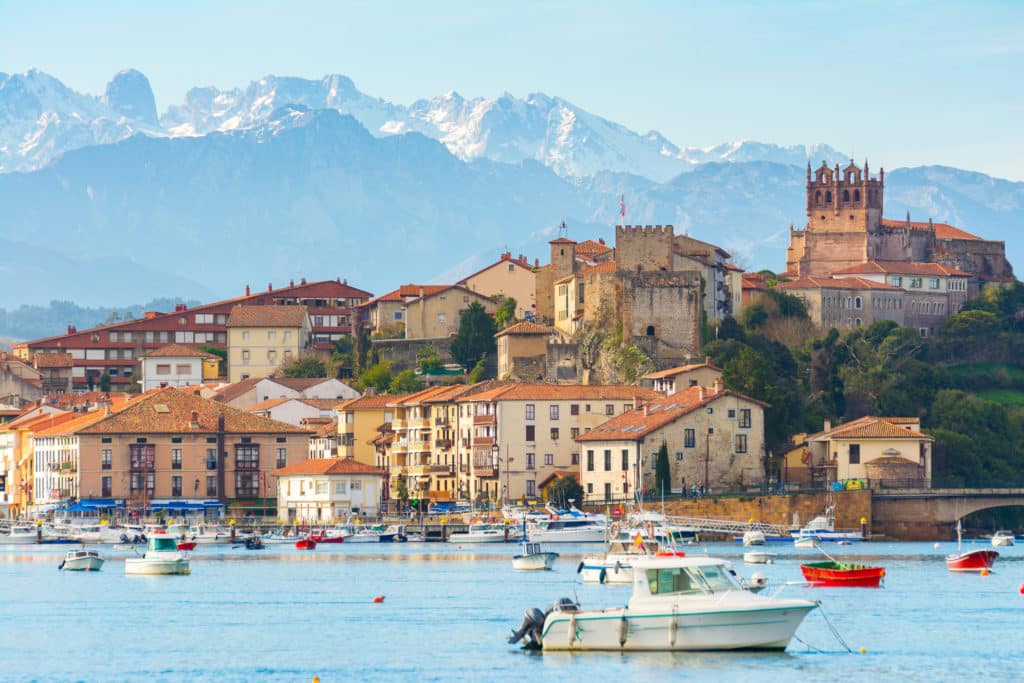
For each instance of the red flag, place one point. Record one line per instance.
(622, 206)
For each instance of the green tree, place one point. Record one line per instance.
(662, 472)
(475, 336)
(476, 375)
(565, 489)
(305, 366)
(428, 359)
(104, 382)
(506, 313)
(361, 346)
(405, 382)
(376, 377)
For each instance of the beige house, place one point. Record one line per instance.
(847, 302)
(683, 377)
(523, 350)
(262, 338)
(385, 314)
(328, 490)
(360, 422)
(872, 452)
(509, 277)
(437, 315)
(519, 434)
(715, 438)
(171, 448)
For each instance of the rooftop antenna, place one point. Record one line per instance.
(563, 229)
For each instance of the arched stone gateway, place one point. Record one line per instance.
(931, 514)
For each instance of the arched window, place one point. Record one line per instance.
(828, 197)
(857, 302)
(846, 195)
(857, 321)
(856, 195)
(650, 330)
(817, 197)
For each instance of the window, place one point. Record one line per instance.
(574, 409)
(915, 283)
(607, 461)
(272, 356)
(745, 418)
(247, 457)
(176, 485)
(440, 319)
(625, 460)
(590, 488)
(106, 458)
(896, 280)
(247, 483)
(341, 487)
(689, 438)
(609, 409)
(857, 303)
(531, 487)
(271, 335)
(163, 369)
(531, 411)
(245, 335)
(554, 433)
(680, 456)
(282, 457)
(854, 453)
(175, 458)
(245, 355)
(139, 477)
(531, 461)
(322, 488)
(741, 443)
(553, 412)
(607, 491)
(356, 485)
(530, 433)
(211, 458)
(574, 459)
(549, 459)
(590, 461)
(106, 486)
(933, 283)
(574, 432)
(732, 413)
(142, 456)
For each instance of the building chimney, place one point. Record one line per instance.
(151, 314)
(646, 410)
(600, 240)
(291, 283)
(827, 426)
(707, 360)
(718, 385)
(270, 286)
(247, 290)
(302, 281)
(72, 329)
(702, 392)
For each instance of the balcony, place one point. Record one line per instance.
(484, 419)
(446, 444)
(443, 470)
(440, 421)
(485, 471)
(483, 441)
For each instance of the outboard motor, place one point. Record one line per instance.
(124, 538)
(531, 628)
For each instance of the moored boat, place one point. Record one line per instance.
(971, 560)
(186, 545)
(161, 557)
(753, 537)
(806, 541)
(1002, 538)
(615, 565)
(842, 574)
(485, 533)
(759, 557)
(82, 560)
(531, 557)
(678, 604)
(305, 543)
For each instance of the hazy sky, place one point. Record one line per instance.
(902, 83)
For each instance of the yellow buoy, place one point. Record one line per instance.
(863, 650)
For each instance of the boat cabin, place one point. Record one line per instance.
(678, 577)
(163, 544)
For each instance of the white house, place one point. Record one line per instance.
(327, 491)
(295, 410)
(176, 365)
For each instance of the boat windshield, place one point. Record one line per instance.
(164, 543)
(670, 580)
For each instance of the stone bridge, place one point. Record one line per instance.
(931, 514)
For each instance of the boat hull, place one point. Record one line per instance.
(840, 574)
(620, 631)
(141, 566)
(591, 535)
(84, 563)
(534, 561)
(972, 561)
(759, 557)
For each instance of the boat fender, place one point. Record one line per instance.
(623, 631)
(602, 577)
(618, 566)
(580, 568)
(613, 530)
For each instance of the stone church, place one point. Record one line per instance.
(845, 229)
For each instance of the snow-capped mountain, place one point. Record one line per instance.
(41, 118)
(48, 119)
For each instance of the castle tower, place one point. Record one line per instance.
(846, 200)
(644, 248)
(563, 257)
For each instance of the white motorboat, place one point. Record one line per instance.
(485, 533)
(569, 530)
(753, 537)
(807, 540)
(824, 528)
(363, 534)
(533, 558)
(17, 535)
(161, 557)
(208, 533)
(82, 560)
(1002, 538)
(759, 557)
(403, 535)
(616, 564)
(678, 604)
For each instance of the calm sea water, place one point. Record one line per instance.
(288, 615)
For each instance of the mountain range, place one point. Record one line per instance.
(102, 197)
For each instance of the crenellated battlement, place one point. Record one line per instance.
(643, 247)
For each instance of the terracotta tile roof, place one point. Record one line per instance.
(72, 426)
(88, 399)
(406, 292)
(672, 372)
(562, 240)
(236, 389)
(169, 411)
(943, 231)
(733, 267)
(526, 391)
(375, 402)
(180, 351)
(592, 248)
(835, 283)
(268, 404)
(298, 383)
(522, 262)
(52, 360)
(636, 424)
(329, 466)
(267, 316)
(754, 281)
(327, 430)
(526, 327)
(602, 267)
(902, 420)
(891, 460)
(38, 422)
(902, 268)
(870, 427)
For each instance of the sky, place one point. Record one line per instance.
(900, 83)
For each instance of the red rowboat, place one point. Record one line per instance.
(842, 574)
(970, 561)
(186, 545)
(322, 537)
(306, 543)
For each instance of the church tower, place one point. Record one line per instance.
(846, 200)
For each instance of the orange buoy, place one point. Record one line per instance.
(984, 572)
(1022, 589)
(379, 598)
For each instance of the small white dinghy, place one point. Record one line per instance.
(532, 557)
(82, 561)
(161, 557)
(759, 557)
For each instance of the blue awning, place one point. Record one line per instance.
(92, 504)
(177, 505)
